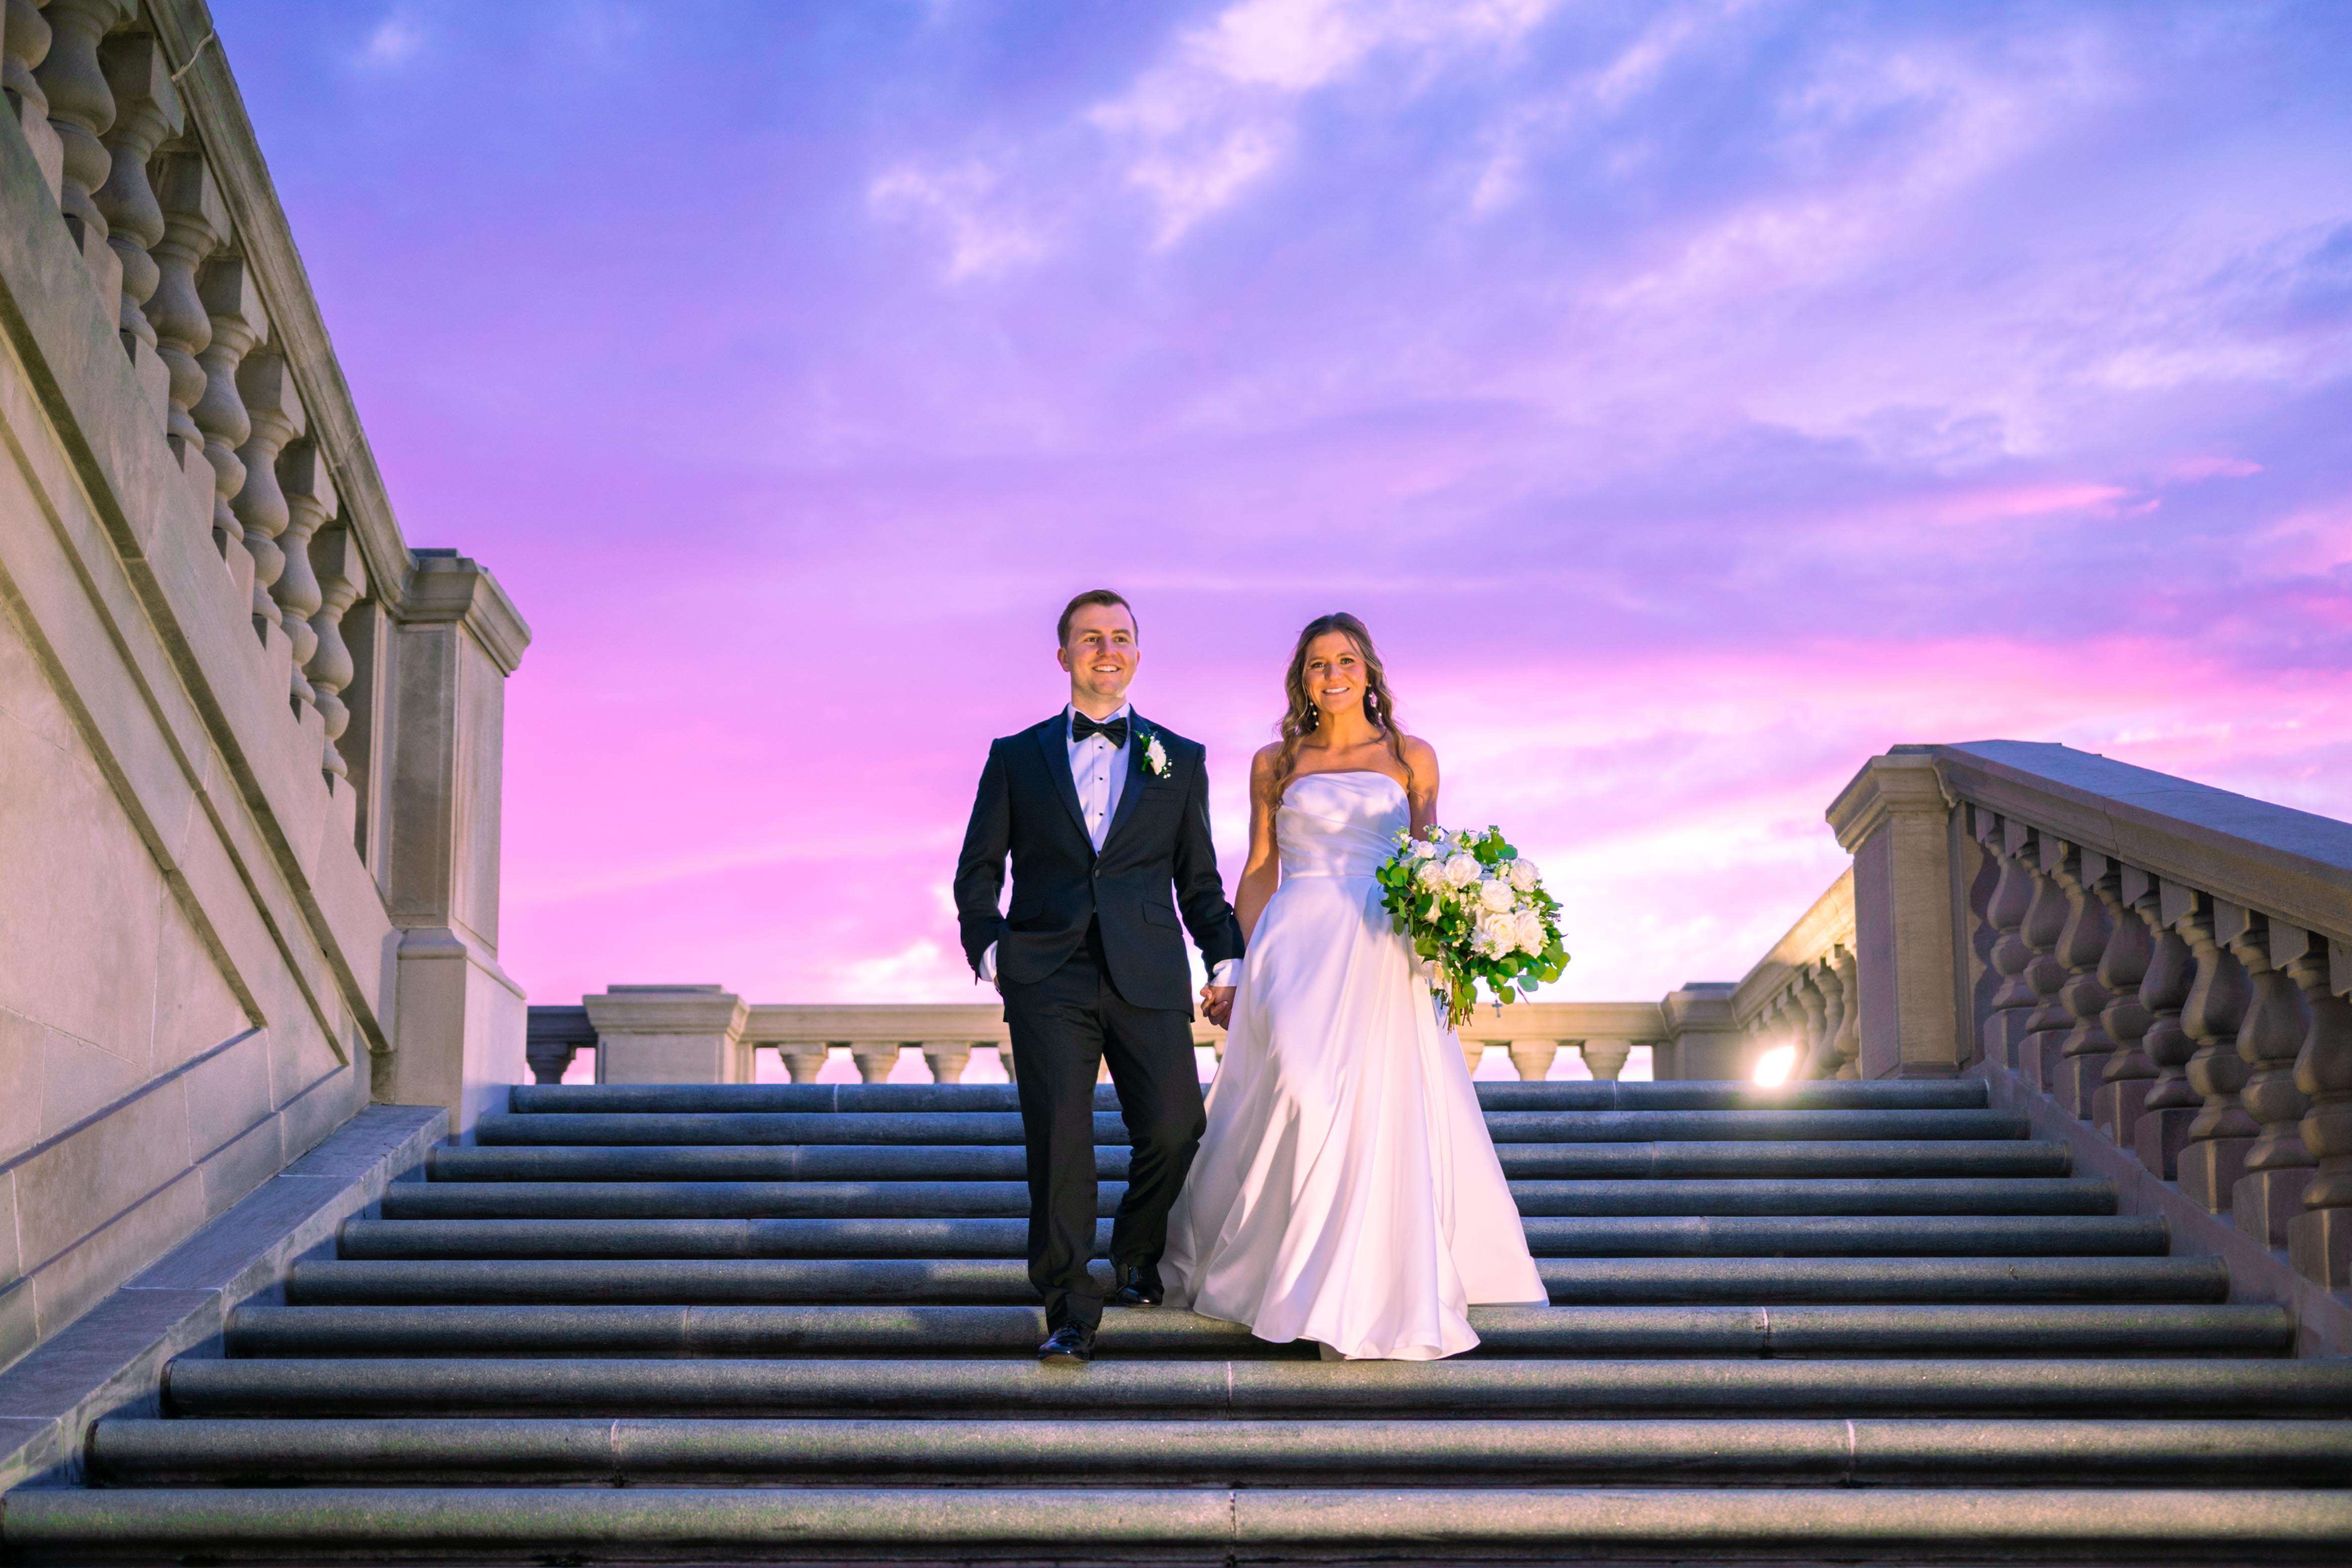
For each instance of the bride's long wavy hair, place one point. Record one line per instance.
(1303, 717)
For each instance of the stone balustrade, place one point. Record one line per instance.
(1804, 994)
(253, 738)
(703, 1033)
(2166, 963)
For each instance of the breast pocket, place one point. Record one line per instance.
(1161, 915)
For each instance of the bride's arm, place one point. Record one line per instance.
(1263, 869)
(1421, 758)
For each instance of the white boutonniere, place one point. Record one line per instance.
(1155, 757)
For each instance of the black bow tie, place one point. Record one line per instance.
(1114, 731)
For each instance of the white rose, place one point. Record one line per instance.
(1531, 933)
(1430, 874)
(1423, 850)
(1462, 871)
(1495, 934)
(1497, 895)
(1523, 876)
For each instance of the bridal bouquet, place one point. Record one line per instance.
(1476, 911)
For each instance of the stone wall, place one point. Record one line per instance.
(249, 741)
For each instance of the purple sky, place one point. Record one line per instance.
(1696, 399)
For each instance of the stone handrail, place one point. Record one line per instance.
(2167, 962)
(705, 1034)
(1804, 992)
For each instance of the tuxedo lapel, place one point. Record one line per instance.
(1053, 740)
(1130, 793)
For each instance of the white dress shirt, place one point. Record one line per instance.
(1099, 771)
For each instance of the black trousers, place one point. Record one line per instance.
(1063, 1027)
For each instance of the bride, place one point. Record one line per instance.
(1346, 1191)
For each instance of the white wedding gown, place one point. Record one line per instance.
(1346, 1191)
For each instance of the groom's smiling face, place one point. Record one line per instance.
(1100, 656)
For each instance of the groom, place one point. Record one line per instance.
(1102, 813)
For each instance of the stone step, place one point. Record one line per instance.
(1916, 1094)
(940, 1200)
(413, 1452)
(739, 1525)
(1632, 1281)
(1005, 1127)
(1725, 1161)
(1257, 1389)
(1908, 1236)
(2238, 1332)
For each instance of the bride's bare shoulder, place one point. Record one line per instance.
(1419, 754)
(1262, 765)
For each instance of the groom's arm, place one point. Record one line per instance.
(1200, 891)
(979, 869)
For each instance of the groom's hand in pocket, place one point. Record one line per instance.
(1217, 1003)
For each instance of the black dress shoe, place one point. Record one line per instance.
(1068, 1345)
(1138, 1286)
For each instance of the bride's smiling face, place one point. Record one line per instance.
(1334, 673)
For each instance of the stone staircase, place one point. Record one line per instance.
(1840, 1321)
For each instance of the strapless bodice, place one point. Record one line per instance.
(1339, 824)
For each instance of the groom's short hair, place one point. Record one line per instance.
(1103, 597)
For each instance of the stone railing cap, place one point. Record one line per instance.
(444, 586)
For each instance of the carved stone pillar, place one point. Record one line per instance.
(874, 1061)
(2319, 1239)
(341, 578)
(803, 1060)
(948, 1058)
(1982, 867)
(2045, 922)
(669, 1033)
(1533, 1058)
(1607, 1057)
(1474, 1052)
(1843, 978)
(238, 323)
(195, 222)
(2222, 1132)
(2277, 1165)
(2090, 880)
(24, 45)
(81, 109)
(273, 416)
(2170, 1102)
(147, 109)
(1893, 819)
(2124, 1081)
(309, 493)
(1811, 1004)
(2013, 1001)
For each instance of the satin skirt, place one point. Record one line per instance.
(1346, 1191)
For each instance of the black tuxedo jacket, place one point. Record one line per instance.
(1028, 808)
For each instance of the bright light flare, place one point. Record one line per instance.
(1775, 1066)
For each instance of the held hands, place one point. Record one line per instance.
(1217, 1004)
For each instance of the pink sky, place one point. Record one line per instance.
(1696, 399)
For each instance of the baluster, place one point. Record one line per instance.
(1474, 1053)
(2277, 1166)
(1606, 1058)
(873, 1060)
(2218, 1138)
(273, 407)
(1823, 985)
(146, 109)
(1814, 1038)
(2089, 881)
(1984, 882)
(81, 108)
(948, 1058)
(2047, 1026)
(2013, 999)
(1842, 975)
(2130, 898)
(2319, 1239)
(1533, 1058)
(804, 1059)
(238, 323)
(309, 494)
(335, 559)
(2172, 1101)
(24, 45)
(195, 221)
(549, 1061)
